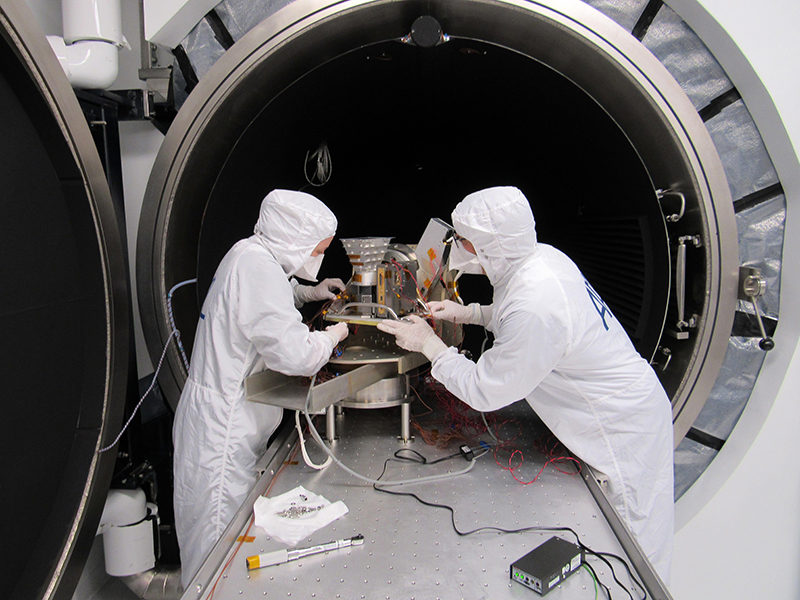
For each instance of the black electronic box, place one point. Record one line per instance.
(545, 567)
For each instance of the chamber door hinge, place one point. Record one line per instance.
(751, 286)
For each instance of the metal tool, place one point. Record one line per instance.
(279, 557)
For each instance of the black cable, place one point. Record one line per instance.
(627, 568)
(479, 529)
(613, 572)
(450, 508)
(587, 549)
(421, 460)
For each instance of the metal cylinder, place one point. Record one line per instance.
(405, 422)
(330, 423)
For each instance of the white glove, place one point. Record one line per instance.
(337, 332)
(321, 291)
(414, 334)
(454, 312)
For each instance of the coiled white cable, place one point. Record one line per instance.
(172, 319)
(303, 445)
(177, 335)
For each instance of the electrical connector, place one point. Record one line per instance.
(466, 452)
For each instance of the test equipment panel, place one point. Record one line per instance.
(549, 564)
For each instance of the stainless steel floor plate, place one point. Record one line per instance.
(411, 551)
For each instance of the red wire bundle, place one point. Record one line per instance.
(458, 421)
(553, 451)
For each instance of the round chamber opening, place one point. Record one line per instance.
(411, 131)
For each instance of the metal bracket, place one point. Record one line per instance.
(276, 389)
(751, 286)
(159, 83)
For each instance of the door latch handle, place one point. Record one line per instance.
(751, 286)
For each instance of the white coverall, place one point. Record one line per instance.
(248, 323)
(558, 345)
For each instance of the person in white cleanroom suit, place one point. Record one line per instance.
(249, 322)
(558, 346)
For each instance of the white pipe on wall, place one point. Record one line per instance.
(92, 37)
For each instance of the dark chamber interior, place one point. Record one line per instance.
(411, 131)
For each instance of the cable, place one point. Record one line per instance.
(240, 543)
(420, 299)
(489, 429)
(501, 530)
(174, 333)
(316, 436)
(242, 538)
(321, 158)
(172, 319)
(552, 460)
(149, 389)
(597, 581)
(602, 555)
(303, 445)
(416, 393)
(628, 569)
(473, 531)
(458, 421)
(421, 459)
(594, 578)
(376, 482)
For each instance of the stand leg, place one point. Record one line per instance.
(330, 419)
(405, 421)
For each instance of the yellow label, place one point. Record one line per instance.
(253, 562)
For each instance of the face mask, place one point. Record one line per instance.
(309, 270)
(461, 260)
